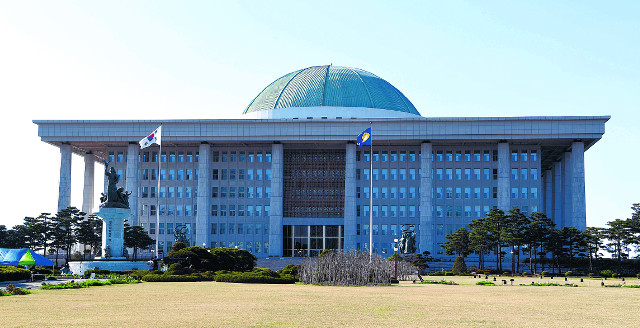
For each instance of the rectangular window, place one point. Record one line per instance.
(449, 173)
(486, 156)
(476, 174)
(534, 193)
(534, 174)
(514, 156)
(172, 175)
(525, 193)
(514, 174)
(514, 193)
(534, 155)
(523, 156)
(524, 174)
(458, 155)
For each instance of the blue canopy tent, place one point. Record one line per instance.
(22, 256)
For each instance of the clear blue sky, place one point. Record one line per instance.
(206, 59)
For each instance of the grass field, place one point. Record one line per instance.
(211, 304)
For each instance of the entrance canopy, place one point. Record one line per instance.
(22, 256)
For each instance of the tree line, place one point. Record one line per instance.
(537, 239)
(53, 234)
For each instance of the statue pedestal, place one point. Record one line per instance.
(113, 232)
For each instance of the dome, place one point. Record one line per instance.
(331, 86)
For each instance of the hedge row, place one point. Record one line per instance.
(10, 273)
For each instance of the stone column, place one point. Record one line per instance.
(427, 225)
(350, 198)
(88, 190)
(131, 182)
(578, 201)
(204, 195)
(557, 194)
(548, 193)
(64, 187)
(275, 218)
(567, 207)
(504, 177)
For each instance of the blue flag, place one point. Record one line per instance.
(364, 138)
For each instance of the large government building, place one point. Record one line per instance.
(288, 180)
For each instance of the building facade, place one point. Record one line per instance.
(288, 180)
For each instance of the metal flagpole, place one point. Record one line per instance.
(371, 196)
(158, 197)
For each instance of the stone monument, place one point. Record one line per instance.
(114, 210)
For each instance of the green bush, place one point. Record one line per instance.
(290, 270)
(568, 274)
(201, 259)
(631, 286)
(485, 283)
(524, 273)
(253, 277)
(638, 275)
(459, 267)
(10, 289)
(544, 273)
(606, 273)
(98, 272)
(151, 277)
(176, 269)
(440, 273)
(552, 284)
(436, 282)
(10, 273)
(591, 274)
(615, 275)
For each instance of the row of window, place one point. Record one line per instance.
(389, 193)
(253, 247)
(170, 210)
(239, 192)
(389, 174)
(161, 226)
(389, 211)
(388, 156)
(379, 229)
(170, 192)
(468, 212)
(231, 174)
(239, 210)
(145, 157)
(232, 156)
(239, 229)
(524, 193)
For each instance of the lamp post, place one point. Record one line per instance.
(395, 258)
(513, 264)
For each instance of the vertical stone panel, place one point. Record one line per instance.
(557, 194)
(504, 177)
(427, 227)
(567, 207)
(350, 198)
(132, 181)
(275, 218)
(578, 200)
(88, 191)
(204, 195)
(64, 186)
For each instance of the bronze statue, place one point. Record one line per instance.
(407, 243)
(114, 197)
(180, 233)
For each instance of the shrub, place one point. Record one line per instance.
(459, 266)
(606, 273)
(176, 269)
(10, 273)
(10, 289)
(98, 272)
(615, 275)
(638, 275)
(291, 270)
(177, 246)
(201, 259)
(591, 274)
(568, 274)
(544, 273)
(485, 283)
(552, 284)
(437, 282)
(524, 273)
(151, 277)
(631, 286)
(253, 277)
(440, 273)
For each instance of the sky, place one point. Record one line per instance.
(209, 59)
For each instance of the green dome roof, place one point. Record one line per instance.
(333, 86)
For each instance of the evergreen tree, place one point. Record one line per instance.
(89, 233)
(137, 238)
(457, 243)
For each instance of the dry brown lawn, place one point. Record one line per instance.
(211, 304)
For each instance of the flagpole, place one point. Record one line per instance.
(158, 197)
(371, 197)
